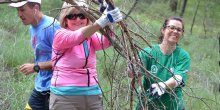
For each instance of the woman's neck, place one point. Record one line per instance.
(167, 48)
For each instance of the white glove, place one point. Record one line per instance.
(178, 80)
(157, 89)
(108, 17)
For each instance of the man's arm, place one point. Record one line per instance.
(45, 65)
(28, 68)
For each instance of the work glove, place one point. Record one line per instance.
(179, 81)
(109, 16)
(157, 89)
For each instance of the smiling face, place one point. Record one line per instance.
(76, 20)
(172, 31)
(26, 14)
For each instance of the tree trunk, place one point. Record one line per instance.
(194, 17)
(173, 5)
(183, 8)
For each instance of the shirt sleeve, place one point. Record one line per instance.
(183, 65)
(64, 39)
(99, 42)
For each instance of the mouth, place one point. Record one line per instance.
(174, 35)
(22, 19)
(77, 24)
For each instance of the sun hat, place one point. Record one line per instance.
(19, 4)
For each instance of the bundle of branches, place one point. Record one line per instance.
(127, 46)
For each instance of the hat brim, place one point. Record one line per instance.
(18, 4)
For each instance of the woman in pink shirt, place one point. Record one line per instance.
(74, 84)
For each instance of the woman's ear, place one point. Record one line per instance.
(64, 23)
(162, 30)
(88, 21)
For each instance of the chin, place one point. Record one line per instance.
(25, 23)
(172, 41)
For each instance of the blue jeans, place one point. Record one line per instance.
(39, 100)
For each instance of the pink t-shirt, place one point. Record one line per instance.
(69, 71)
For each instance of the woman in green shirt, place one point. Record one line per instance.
(168, 65)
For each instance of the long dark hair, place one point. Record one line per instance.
(160, 39)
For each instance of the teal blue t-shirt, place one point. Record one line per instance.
(41, 41)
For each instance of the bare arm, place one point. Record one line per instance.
(45, 65)
(90, 29)
(174, 81)
(171, 83)
(27, 68)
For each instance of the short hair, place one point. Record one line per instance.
(165, 24)
(32, 4)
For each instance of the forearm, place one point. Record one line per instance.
(90, 29)
(28, 68)
(170, 83)
(45, 65)
(174, 81)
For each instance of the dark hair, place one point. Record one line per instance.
(165, 24)
(32, 4)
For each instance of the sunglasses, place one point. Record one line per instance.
(74, 16)
(172, 28)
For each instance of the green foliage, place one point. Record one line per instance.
(16, 90)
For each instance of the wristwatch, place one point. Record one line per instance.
(36, 67)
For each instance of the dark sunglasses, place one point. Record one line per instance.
(74, 16)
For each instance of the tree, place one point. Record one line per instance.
(183, 8)
(173, 5)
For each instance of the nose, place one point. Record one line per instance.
(77, 18)
(175, 30)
